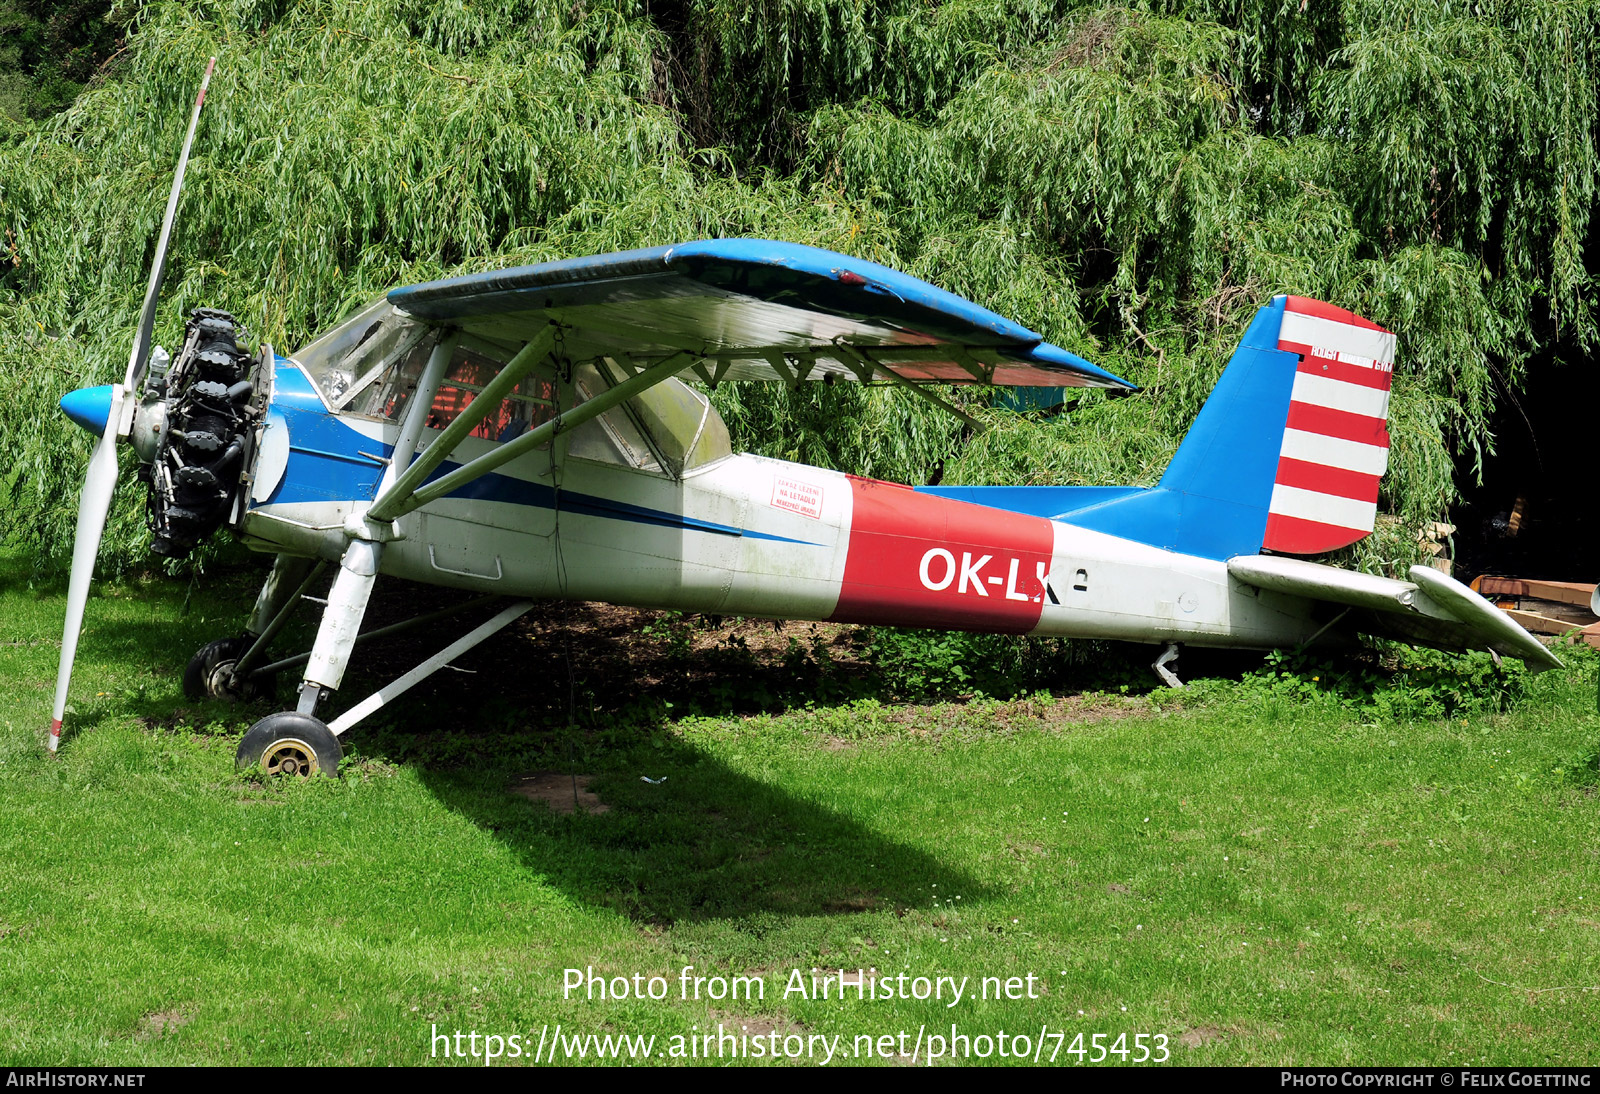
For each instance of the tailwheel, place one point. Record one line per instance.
(290, 744)
(210, 673)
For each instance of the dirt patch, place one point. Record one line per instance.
(757, 1026)
(560, 792)
(1201, 1035)
(838, 744)
(851, 902)
(160, 1023)
(1118, 887)
(1085, 709)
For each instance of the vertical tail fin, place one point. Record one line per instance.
(1288, 450)
(1336, 438)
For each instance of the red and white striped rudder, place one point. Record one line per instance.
(1336, 440)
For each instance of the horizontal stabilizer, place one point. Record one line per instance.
(1431, 608)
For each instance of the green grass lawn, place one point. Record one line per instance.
(1260, 879)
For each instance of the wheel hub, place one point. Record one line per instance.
(289, 757)
(222, 682)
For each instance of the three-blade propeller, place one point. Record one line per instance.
(109, 409)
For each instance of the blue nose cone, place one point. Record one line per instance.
(89, 407)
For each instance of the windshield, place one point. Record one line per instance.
(351, 355)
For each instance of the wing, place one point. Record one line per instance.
(754, 309)
(1430, 609)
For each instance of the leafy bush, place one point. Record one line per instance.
(1397, 684)
(917, 664)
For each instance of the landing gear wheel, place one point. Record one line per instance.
(210, 673)
(290, 744)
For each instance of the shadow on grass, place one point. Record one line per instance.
(708, 842)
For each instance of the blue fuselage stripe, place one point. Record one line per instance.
(337, 470)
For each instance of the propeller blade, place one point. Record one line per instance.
(140, 357)
(94, 506)
(98, 486)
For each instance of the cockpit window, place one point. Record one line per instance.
(613, 437)
(371, 363)
(386, 394)
(357, 351)
(532, 402)
(669, 428)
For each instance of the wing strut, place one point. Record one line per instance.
(396, 688)
(405, 446)
(537, 437)
(393, 502)
(921, 392)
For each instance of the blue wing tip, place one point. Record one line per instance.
(1056, 357)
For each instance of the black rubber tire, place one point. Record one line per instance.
(207, 676)
(290, 744)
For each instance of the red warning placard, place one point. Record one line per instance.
(804, 498)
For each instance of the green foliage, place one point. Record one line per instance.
(48, 50)
(917, 664)
(1403, 683)
(1131, 181)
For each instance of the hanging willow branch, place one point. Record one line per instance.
(1131, 181)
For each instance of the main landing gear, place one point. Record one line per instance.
(298, 742)
(290, 743)
(211, 674)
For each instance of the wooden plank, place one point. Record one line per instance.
(1535, 623)
(1562, 592)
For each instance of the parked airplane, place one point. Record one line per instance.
(529, 434)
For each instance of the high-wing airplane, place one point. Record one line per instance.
(538, 432)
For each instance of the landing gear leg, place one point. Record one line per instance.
(288, 572)
(298, 742)
(1168, 655)
(341, 621)
(222, 669)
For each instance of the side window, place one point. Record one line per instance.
(372, 364)
(532, 402)
(613, 437)
(667, 429)
(472, 366)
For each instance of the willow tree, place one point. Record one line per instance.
(1130, 181)
(346, 147)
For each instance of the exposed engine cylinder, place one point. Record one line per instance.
(207, 395)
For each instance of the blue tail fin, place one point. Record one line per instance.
(1286, 453)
